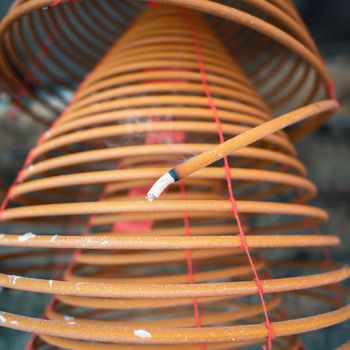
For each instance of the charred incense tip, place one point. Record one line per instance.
(159, 186)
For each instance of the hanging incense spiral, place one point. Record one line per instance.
(195, 105)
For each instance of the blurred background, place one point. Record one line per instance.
(326, 155)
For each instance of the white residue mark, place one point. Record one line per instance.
(30, 168)
(53, 238)
(79, 284)
(50, 283)
(2, 319)
(2, 235)
(14, 279)
(72, 322)
(68, 318)
(141, 333)
(103, 243)
(26, 236)
(15, 323)
(159, 186)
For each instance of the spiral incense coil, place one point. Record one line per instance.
(179, 272)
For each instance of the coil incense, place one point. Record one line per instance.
(218, 113)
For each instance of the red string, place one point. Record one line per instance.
(244, 244)
(19, 176)
(330, 87)
(191, 278)
(153, 4)
(55, 3)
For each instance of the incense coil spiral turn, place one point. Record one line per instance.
(143, 109)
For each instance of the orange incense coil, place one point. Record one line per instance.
(171, 274)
